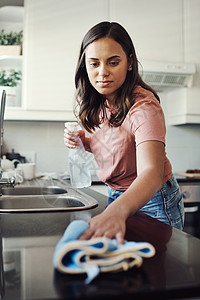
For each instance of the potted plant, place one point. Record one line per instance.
(11, 43)
(10, 81)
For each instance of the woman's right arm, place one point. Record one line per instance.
(70, 139)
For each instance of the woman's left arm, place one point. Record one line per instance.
(150, 166)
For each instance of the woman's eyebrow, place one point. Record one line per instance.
(113, 57)
(110, 58)
(92, 58)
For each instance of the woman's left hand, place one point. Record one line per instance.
(110, 224)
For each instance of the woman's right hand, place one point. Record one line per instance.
(70, 138)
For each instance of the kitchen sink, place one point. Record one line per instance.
(33, 190)
(44, 199)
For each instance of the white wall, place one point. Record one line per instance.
(44, 138)
(182, 143)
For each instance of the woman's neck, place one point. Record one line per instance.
(111, 105)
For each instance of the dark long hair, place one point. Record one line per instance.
(90, 104)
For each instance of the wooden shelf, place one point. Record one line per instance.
(11, 58)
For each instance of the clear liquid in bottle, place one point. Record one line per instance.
(78, 169)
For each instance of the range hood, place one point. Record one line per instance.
(166, 75)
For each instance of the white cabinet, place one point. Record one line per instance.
(155, 27)
(181, 108)
(52, 39)
(184, 104)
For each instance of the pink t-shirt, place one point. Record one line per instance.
(114, 148)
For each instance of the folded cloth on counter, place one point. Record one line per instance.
(97, 254)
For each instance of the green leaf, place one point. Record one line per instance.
(10, 78)
(12, 38)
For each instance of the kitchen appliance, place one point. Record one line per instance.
(15, 156)
(191, 197)
(166, 75)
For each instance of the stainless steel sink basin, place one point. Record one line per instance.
(44, 199)
(33, 190)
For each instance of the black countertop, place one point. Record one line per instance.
(185, 180)
(28, 242)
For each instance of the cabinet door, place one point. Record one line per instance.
(53, 34)
(155, 27)
(192, 53)
(184, 106)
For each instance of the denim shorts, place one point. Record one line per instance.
(166, 206)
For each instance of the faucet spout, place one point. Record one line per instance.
(2, 110)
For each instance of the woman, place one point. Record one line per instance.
(127, 133)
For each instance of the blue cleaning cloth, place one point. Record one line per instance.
(97, 254)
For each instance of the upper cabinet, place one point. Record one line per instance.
(184, 105)
(155, 27)
(52, 39)
(53, 31)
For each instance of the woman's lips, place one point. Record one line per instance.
(103, 83)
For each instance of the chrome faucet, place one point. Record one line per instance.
(2, 110)
(3, 181)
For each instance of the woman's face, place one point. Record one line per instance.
(106, 65)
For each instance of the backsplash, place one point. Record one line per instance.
(46, 139)
(182, 143)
